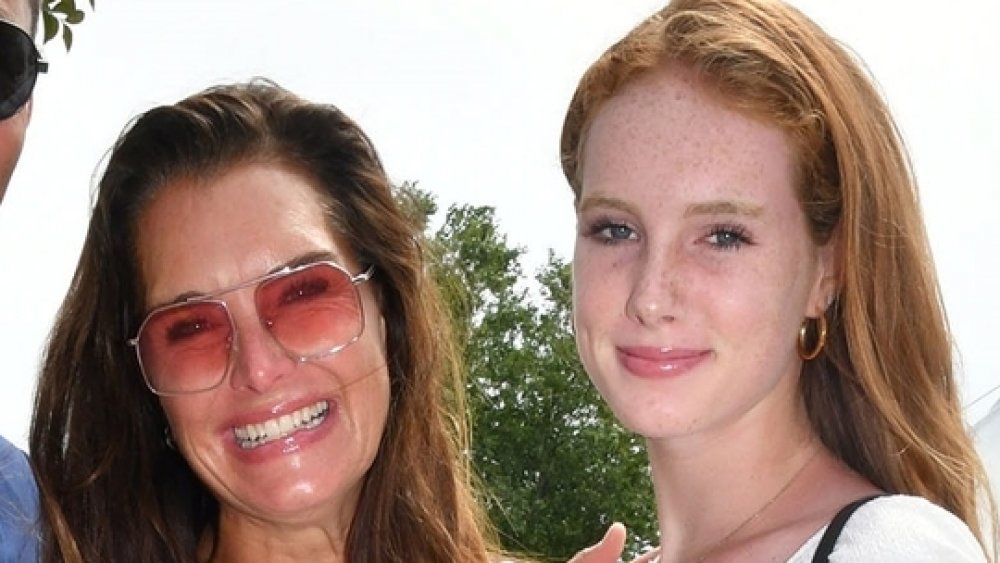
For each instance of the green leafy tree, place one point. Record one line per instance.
(59, 17)
(557, 467)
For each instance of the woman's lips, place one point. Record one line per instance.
(255, 435)
(654, 363)
(280, 429)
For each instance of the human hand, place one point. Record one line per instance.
(608, 550)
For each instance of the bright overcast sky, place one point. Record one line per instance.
(467, 97)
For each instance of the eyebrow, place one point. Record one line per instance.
(309, 258)
(724, 207)
(715, 207)
(300, 260)
(603, 201)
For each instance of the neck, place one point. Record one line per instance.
(245, 539)
(716, 487)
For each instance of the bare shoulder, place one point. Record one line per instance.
(898, 528)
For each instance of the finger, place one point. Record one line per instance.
(608, 550)
(652, 556)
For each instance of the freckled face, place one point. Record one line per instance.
(693, 267)
(200, 237)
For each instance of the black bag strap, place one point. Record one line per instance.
(829, 538)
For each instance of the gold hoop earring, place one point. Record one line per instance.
(820, 338)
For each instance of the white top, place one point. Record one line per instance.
(899, 529)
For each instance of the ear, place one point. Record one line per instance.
(826, 286)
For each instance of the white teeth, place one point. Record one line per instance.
(272, 428)
(254, 435)
(285, 423)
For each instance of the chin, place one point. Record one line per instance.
(304, 501)
(651, 417)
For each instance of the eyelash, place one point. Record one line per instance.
(738, 232)
(600, 230)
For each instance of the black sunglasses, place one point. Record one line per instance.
(20, 64)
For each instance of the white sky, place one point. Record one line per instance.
(467, 97)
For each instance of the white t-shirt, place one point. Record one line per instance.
(899, 529)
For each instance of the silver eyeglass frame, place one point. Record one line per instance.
(213, 297)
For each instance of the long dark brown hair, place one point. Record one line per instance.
(111, 489)
(882, 396)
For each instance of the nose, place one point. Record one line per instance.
(259, 360)
(655, 290)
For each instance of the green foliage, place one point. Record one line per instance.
(417, 204)
(557, 467)
(58, 17)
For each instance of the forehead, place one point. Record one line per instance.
(672, 103)
(674, 123)
(16, 11)
(202, 234)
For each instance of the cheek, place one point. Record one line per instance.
(588, 300)
(12, 132)
(366, 408)
(362, 373)
(190, 425)
(761, 309)
(596, 286)
(185, 414)
(598, 308)
(749, 301)
(11, 142)
(379, 407)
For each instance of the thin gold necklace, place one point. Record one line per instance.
(711, 549)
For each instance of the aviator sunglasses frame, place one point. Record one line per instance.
(23, 79)
(256, 283)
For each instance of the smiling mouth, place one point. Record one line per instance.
(660, 362)
(257, 434)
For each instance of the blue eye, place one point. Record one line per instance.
(728, 237)
(611, 232)
(618, 232)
